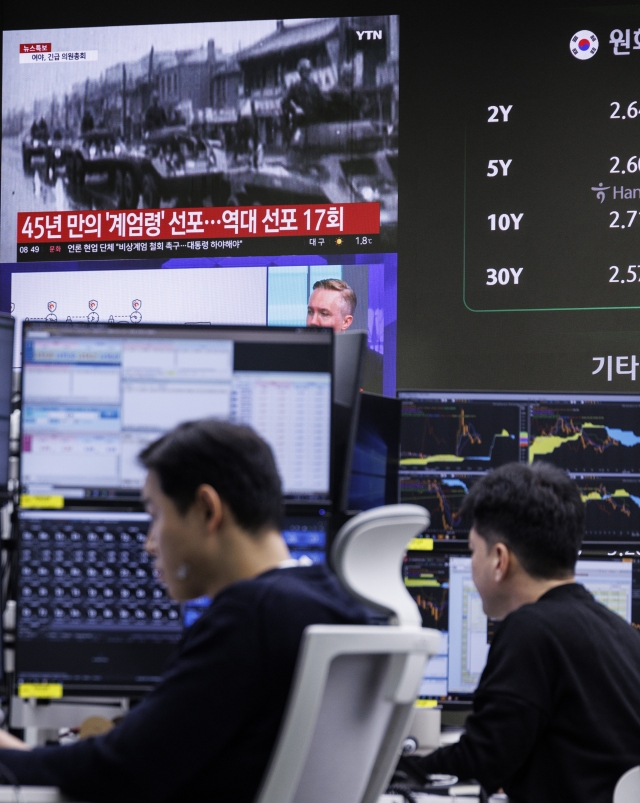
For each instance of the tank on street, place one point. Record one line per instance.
(337, 162)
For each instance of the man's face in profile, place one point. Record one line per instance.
(327, 309)
(173, 542)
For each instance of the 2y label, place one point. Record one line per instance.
(499, 114)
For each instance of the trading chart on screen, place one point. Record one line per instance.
(449, 441)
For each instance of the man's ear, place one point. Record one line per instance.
(209, 502)
(347, 321)
(503, 563)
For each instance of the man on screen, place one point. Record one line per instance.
(207, 730)
(556, 715)
(332, 305)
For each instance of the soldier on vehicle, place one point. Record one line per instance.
(87, 123)
(304, 98)
(156, 117)
(40, 129)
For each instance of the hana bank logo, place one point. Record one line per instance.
(584, 45)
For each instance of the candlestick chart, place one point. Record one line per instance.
(427, 580)
(458, 436)
(586, 438)
(612, 509)
(442, 497)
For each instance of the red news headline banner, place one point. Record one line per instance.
(36, 47)
(208, 222)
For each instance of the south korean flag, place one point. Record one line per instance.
(584, 45)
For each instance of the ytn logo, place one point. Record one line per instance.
(369, 35)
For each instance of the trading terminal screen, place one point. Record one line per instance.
(449, 440)
(91, 613)
(441, 584)
(95, 395)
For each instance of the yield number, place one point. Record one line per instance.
(503, 276)
(632, 166)
(615, 219)
(621, 278)
(505, 222)
(619, 112)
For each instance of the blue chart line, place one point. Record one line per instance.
(625, 437)
(442, 497)
(455, 483)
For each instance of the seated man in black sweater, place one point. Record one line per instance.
(556, 715)
(207, 730)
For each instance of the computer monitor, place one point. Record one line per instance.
(7, 324)
(450, 439)
(374, 466)
(91, 615)
(441, 584)
(306, 536)
(348, 366)
(94, 395)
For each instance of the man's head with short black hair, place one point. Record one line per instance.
(230, 458)
(536, 511)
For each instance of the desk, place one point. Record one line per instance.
(425, 798)
(32, 794)
(49, 794)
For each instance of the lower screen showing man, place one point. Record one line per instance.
(556, 715)
(332, 304)
(207, 731)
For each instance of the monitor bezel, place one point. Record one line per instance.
(8, 321)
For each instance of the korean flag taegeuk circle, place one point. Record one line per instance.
(583, 45)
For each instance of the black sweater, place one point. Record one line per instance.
(207, 730)
(556, 715)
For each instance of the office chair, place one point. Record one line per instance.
(628, 787)
(355, 685)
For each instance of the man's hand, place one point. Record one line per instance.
(9, 742)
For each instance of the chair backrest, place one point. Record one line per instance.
(628, 787)
(368, 554)
(355, 685)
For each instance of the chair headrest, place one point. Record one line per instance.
(368, 553)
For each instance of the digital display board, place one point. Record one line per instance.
(521, 271)
(552, 223)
